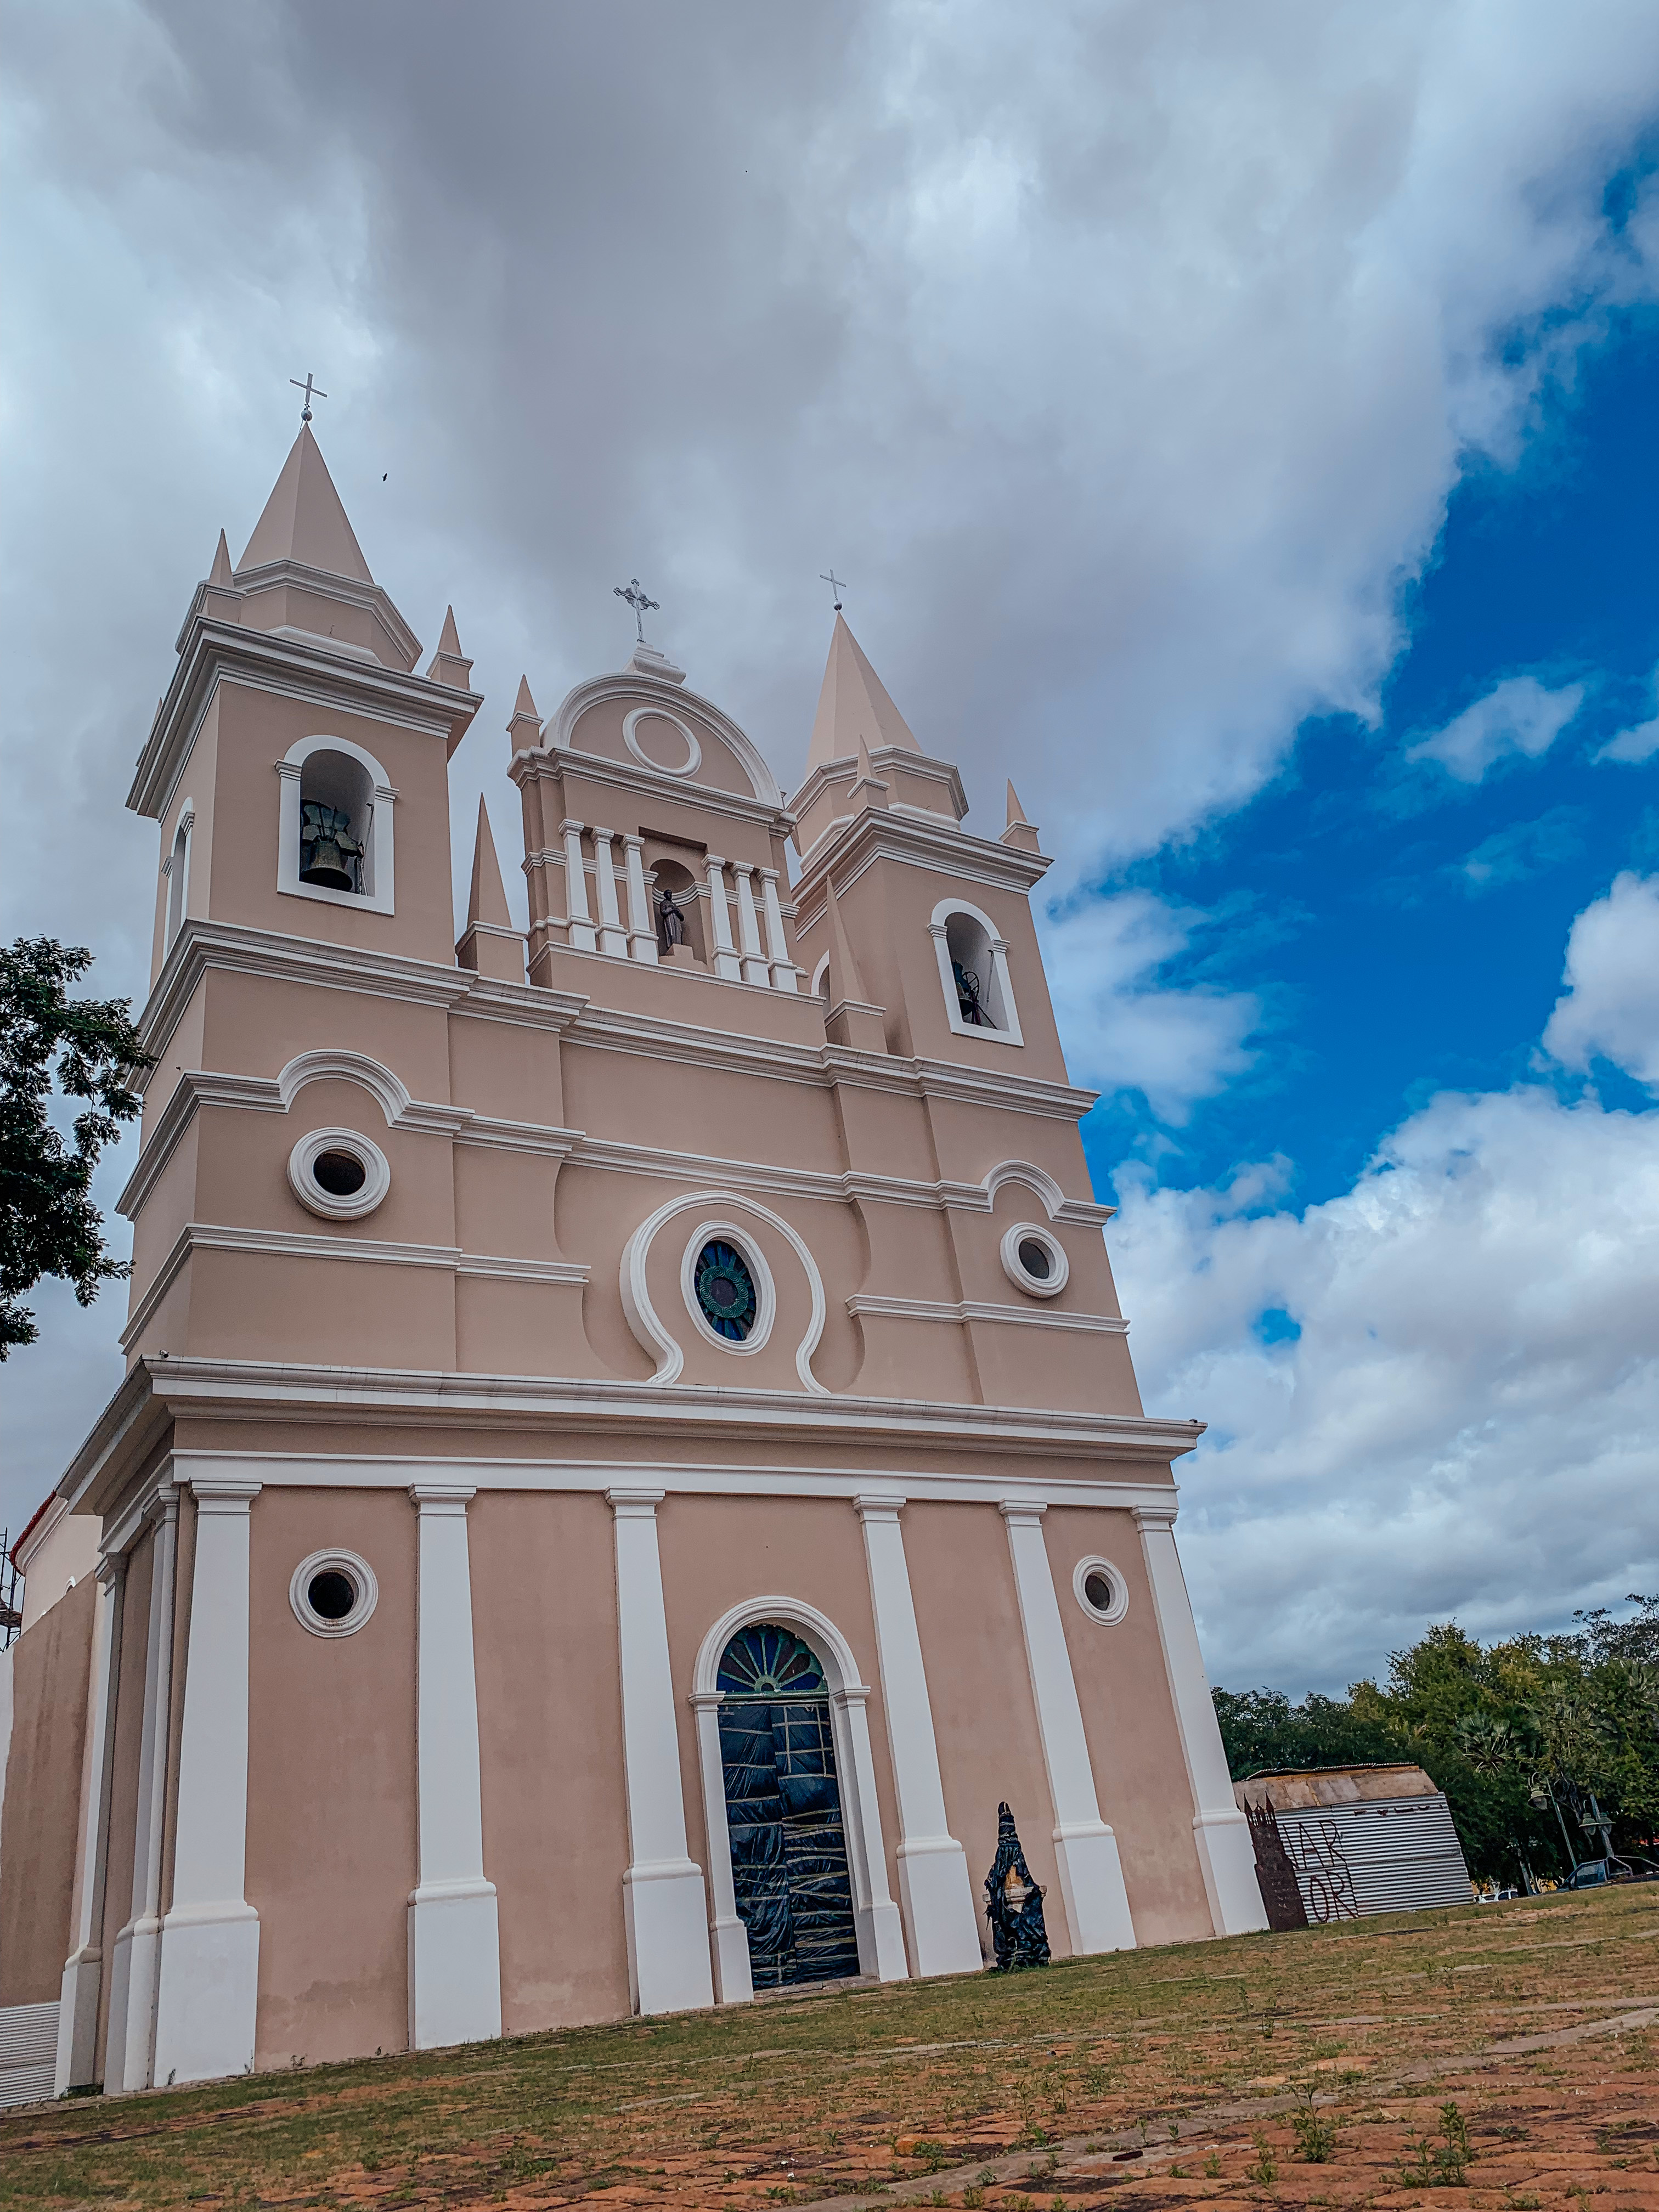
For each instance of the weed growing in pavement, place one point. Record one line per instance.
(1315, 2136)
(973, 2199)
(1265, 2168)
(1212, 2166)
(1445, 2165)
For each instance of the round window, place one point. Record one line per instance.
(726, 1291)
(1034, 1261)
(339, 1174)
(1101, 1590)
(333, 1592)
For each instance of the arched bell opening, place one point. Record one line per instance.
(784, 1810)
(974, 973)
(336, 823)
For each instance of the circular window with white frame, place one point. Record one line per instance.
(1101, 1590)
(339, 1174)
(728, 1287)
(1034, 1261)
(333, 1592)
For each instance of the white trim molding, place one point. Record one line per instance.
(1013, 1256)
(631, 721)
(875, 1915)
(379, 855)
(1220, 1830)
(665, 1905)
(338, 1064)
(961, 1309)
(207, 1988)
(356, 1571)
(940, 1918)
(1086, 1849)
(1000, 996)
(652, 1333)
(83, 1969)
(350, 1206)
(454, 1942)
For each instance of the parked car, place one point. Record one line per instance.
(1592, 1873)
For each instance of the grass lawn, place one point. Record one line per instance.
(1500, 2056)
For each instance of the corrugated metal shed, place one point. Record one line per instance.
(1364, 1840)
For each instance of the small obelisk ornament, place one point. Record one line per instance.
(1013, 1903)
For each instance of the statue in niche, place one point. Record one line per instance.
(670, 923)
(1013, 1903)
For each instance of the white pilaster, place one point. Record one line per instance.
(613, 938)
(728, 1939)
(1220, 1830)
(727, 964)
(207, 1988)
(130, 2049)
(641, 931)
(580, 922)
(785, 976)
(934, 1889)
(875, 1915)
(755, 969)
(1085, 1850)
(454, 1944)
(77, 2011)
(664, 1902)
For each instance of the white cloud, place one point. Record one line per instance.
(1124, 1031)
(1611, 1006)
(1638, 743)
(1466, 1422)
(1518, 715)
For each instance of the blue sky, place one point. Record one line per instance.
(1234, 421)
(1403, 931)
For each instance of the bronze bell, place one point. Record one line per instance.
(327, 847)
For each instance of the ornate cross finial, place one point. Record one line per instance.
(636, 599)
(311, 391)
(834, 582)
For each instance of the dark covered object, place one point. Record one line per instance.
(1274, 1875)
(1013, 1903)
(783, 1810)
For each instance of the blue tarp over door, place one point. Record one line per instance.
(783, 1810)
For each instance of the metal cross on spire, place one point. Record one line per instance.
(835, 583)
(636, 599)
(311, 391)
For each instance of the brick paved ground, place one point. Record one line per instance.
(1493, 2057)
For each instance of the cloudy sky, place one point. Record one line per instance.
(1240, 417)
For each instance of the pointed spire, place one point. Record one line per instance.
(1019, 835)
(853, 706)
(304, 519)
(220, 574)
(489, 945)
(845, 981)
(851, 1019)
(449, 664)
(868, 789)
(526, 727)
(487, 900)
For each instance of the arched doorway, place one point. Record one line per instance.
(783, 1809)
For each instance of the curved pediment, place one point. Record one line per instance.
(644, 723)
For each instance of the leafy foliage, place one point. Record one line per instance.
(1503, 1729)
(48, 1223)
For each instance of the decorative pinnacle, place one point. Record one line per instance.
(311, 391)
(635, 598)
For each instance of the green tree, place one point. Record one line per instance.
(48, 1223)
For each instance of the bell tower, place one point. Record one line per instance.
(297, 764)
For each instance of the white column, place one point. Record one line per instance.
(77, 2012)
(581, 927)
(728, 1939)
(875, 1915)
(612, 937)
(785, 973)
(207, 1992)
(934, 1889)
(726, 959)
(755, 969)
(454, 1946)
(641, 931)
(664, 1902)
(129, 2049)
(1220, 1830)
(1090, 1875)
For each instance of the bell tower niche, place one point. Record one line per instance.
(297, 765)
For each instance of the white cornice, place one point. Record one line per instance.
(912, 839)
(547, 762)
(632, 682)
(265, 661)
(962, 1309)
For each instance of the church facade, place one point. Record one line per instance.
(629, 1455)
